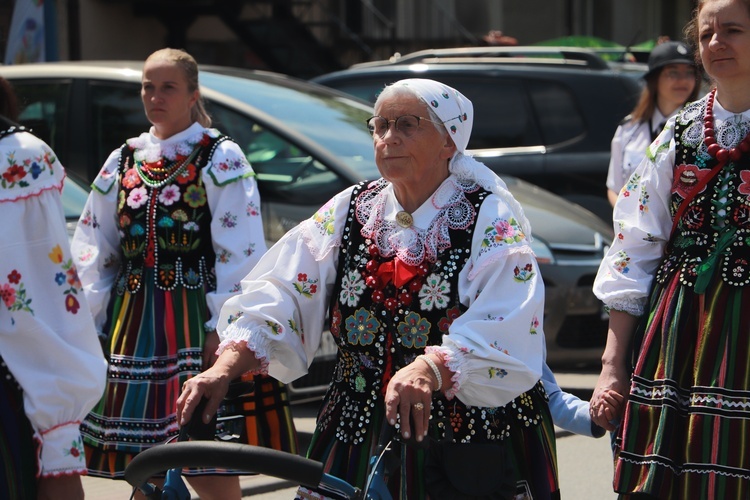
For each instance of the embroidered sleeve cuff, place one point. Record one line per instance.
(61, 450)
(453, 362)
(254, 341)
(630, 306)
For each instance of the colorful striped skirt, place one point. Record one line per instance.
(155, 343)
(18, 465)
(686, 428)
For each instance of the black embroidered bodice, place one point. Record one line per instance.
(164, 220)
(387, 326)
(713, 235)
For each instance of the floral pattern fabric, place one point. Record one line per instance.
(628, 148)
(181, 211)
(499, 310)
(644, 213)
(44, 318)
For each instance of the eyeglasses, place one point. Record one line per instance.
(674, 74)
(406, 125)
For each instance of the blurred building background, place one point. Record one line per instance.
(305, 38)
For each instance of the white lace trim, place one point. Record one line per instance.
(467, 169)
(258, 343)
(149, 149)
(413, 245)
(634, 307)
(319, 246)
(454, 361)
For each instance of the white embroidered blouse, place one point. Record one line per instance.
(495, 348)
(47, 335)
(642, 218)
(628, 148)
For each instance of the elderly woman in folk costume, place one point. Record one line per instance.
(435, 302)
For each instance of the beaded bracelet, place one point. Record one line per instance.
(435, 370)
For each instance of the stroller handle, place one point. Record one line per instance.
(244, 457)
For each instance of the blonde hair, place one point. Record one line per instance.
(189, 68)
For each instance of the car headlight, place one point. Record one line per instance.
(542, 252)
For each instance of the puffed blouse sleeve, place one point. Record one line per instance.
(642, 226)
(47, 336)
(496, 348)
(236, 224)
(280, 313)
(96, 242)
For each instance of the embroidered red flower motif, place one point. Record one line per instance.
(14, 277)
(741, 215)
(72, 304)
(74, 451)
(8, 295)
(685, 179)
(205, 140)
(745, 186)
(187, 175)
(336, 322)
(301, 277)
(450, 315)
(131, 179)
(14, 173)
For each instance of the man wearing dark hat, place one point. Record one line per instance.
(671, 81)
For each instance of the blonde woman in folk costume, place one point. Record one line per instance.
(171, 227)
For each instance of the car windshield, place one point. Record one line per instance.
(336, 123)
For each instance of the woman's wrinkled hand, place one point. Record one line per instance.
(213, 383)
(409, 397)
(609, 398)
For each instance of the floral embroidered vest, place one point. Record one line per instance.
(712, 238)
(164, 220)
(383, 315)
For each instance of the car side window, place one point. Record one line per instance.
(504, 119)
(116, 115)
(285, 172)
(44, 108)
(559, 118)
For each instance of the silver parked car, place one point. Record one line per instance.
(306, 142)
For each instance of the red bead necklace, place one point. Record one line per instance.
(709, 135)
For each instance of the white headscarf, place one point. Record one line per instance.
(457, 115)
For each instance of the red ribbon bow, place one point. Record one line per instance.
(397, 271)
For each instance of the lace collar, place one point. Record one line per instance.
(148, 148)
(446, 209)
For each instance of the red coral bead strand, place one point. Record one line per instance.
(709, 136)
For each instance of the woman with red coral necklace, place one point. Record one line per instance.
(171, 227)
(676, 281)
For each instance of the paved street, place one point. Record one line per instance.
(585, 464)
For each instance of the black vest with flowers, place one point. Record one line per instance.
(712, 239)
(164, 221)
(380, 327)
